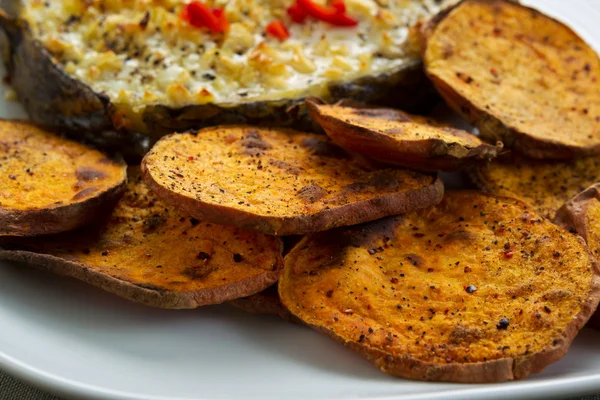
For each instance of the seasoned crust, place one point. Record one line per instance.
(279, 182)
(520, 76)
(546, 185)
(399, 138)
(476, 289)
(49, 184)
(131, 254)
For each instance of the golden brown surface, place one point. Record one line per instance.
(546, 185)
(520, 76)
(476, 289)
(151, 253)
(280, 182)
(398, 138)
(49, 184)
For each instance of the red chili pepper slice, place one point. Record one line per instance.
(339, 5)
(334, 15)
(278, 30)
(223, 23)
(297, 13)
(200, 15)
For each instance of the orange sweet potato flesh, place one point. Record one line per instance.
(279, 182)
(49, 184)
(399, 138)
(517, 74)
(476, 289)
(153, 254)
(545, 185)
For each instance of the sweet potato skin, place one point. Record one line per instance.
(50, 184)
(132, 255)
(545, 185)
(549, 104)
(399, 138)
(266, 302)
(423, 296)
(582, 215)
(279, 182)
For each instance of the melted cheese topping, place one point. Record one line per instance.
(139, 52)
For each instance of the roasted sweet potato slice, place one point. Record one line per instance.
(398, 138)
(152, 254)
(49, 184)
(476, 289)
(519, 75)
(266, 302)
(279, 182)
(546, 185)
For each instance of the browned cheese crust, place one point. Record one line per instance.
(546, 185)
(279, 182)
(399, 138)
(49, 184)
(476, 289)
(517, 74)
(152, 254)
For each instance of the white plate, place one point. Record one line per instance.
(79, 342)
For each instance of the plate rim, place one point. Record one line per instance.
(555, 387)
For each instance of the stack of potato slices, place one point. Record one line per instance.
(351, 233)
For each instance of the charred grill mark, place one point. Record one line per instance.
(380, 181)
(460, 236)
(323, 148)
(462, 335)
(199, 272)
(287, 167)
(88, 174)
(87, 192)
(333, 244)
(312, 193)
(253, 144)
(153, 222)
(415, 259)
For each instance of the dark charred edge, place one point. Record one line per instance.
(491, 128)
(61, 218)
(429, 155)
(349, 214)
(495, 371)
(52, 98)
(57, 101)
(137, 292)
